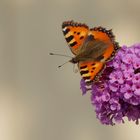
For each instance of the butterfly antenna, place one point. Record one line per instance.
(60, 55)
(63, 64)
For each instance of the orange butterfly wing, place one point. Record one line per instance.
(106, 36)
(90, 69)
(75, 34)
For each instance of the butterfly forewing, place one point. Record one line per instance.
(75, 34)
(106, 36)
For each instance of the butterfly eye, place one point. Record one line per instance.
(74, 32)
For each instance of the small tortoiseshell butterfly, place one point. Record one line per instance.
(91, 47)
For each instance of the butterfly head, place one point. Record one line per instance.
(74, 60)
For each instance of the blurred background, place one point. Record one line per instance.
(38, 101)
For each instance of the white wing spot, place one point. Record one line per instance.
(64, 29)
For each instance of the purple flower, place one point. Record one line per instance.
(83, 87)
(117, 94)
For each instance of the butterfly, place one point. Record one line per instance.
(92, 48)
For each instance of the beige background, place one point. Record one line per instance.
(39, 101)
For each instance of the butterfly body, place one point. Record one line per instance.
(91, 47)
(91, 52)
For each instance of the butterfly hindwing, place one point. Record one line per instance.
(75, 34)
(90, 69)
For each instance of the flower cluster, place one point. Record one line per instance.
(117, 94)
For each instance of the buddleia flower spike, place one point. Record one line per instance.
(117, 94)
